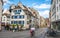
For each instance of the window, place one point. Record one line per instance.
(15, 22)
(12, 22)
(59, 6)
(3, 19)
(8, 19)
(21, 22)
(17, 11)
(21, 16)
(14, 17)
(8, 16)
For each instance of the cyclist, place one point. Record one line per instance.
(32, 31)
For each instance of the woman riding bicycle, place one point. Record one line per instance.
(32, 31)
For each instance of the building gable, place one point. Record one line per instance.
(18, 12)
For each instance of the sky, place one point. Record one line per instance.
(42, 6)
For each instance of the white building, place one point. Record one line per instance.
(20, 15)
(55, 14)
(6, 17)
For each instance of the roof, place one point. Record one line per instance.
(17, 7)
(6, 12)
(25, 8)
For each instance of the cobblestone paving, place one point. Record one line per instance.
(40, 33)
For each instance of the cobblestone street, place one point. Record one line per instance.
(40, 33)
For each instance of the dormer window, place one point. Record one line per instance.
(17, 11)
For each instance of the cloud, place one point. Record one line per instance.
(7, 2)
(4, 10)
(42, 6)
(44, 13)
(43, 9)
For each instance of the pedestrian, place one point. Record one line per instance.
(16, 28)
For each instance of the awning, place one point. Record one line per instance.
(56, 21)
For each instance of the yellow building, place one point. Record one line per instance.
(42, 22)
(47, 22)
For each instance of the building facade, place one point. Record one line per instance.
(55, 14)
(6, 18)
(1, 4)
(47, 22)
(36, 17)
(42, 22)
(22, 15)
(18, 16)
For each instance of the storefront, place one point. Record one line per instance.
(56, 25)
